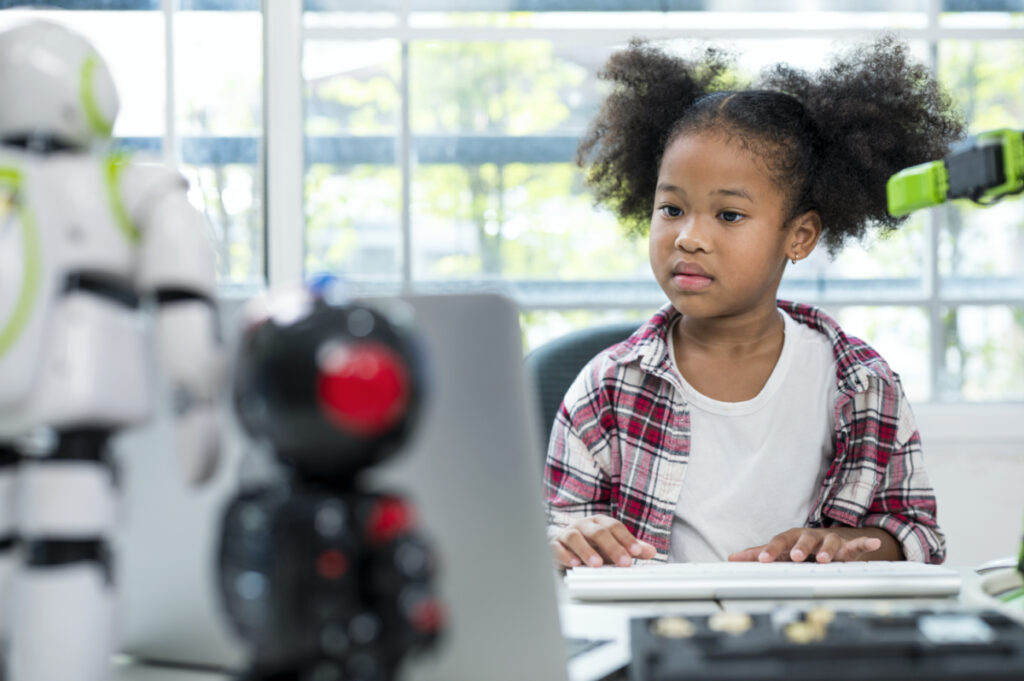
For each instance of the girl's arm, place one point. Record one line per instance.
(897, 516)
(904, 501)
(575, 485)
(581, 526)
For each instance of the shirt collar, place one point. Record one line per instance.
(856, 362)
(649, 344)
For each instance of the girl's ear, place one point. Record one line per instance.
(804, 232)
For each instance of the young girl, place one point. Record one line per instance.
(732, 425)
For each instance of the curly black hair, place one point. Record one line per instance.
(832, 138)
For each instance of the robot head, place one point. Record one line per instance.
(58, 87)
(335, 387)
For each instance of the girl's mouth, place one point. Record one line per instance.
(690, 277)
(691, 282)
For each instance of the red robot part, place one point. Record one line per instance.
(364, 389)
(389, 519)
(332, 564)
(427, 616)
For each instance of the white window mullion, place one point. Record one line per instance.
(933, 225)
(405, 152)
(283, 141)
(171, 153)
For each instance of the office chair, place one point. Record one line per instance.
(552, 367)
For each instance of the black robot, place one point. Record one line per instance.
(324, 578)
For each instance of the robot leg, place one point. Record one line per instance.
(62, 605)
(8, 466)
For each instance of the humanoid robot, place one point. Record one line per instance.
(89, 243)
(321, 573)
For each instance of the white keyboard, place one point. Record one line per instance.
(705, 581)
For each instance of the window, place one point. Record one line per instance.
(472, 135)
(186, 99)
(438, 139)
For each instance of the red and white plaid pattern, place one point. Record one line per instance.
(621, 441)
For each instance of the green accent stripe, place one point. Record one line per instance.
(115, 163)
(1013, 596)
(97, 121)
(32, 257)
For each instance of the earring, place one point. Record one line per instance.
(794, 260)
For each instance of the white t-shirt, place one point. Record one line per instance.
(756, 466)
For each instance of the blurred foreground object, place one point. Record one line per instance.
(90, 243)
(324, 577)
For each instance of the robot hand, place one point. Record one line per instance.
(983, 168)
(197, 437)
(196, 369)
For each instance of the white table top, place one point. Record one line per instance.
(606, 620)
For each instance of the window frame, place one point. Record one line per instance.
(556, 295)
(285, 151)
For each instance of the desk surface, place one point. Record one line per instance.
(590, 620)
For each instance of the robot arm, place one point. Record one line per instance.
(984, 169)
(176, 263)
(194, 363)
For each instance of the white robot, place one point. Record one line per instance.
(89, 244)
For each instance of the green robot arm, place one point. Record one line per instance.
(984, 169)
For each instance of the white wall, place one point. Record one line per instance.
(975, 458)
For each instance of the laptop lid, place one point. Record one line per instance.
(472, 470)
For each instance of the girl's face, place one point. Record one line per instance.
(718, 244)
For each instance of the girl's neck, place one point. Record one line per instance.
(749, 334)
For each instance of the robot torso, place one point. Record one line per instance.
(72, 340)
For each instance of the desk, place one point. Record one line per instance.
(608, 620)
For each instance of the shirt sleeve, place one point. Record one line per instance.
(904, 503)
(575, 482)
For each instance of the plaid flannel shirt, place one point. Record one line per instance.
(621, 441)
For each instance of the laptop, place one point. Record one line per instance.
(472, 470)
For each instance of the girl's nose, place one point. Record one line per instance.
(692, 236)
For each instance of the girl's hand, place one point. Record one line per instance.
(824, 545)
(596, 540)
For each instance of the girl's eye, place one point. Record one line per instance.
(729, 216)
(671, 211)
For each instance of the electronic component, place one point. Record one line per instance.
(797, 644)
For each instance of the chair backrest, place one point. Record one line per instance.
(553, 367)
